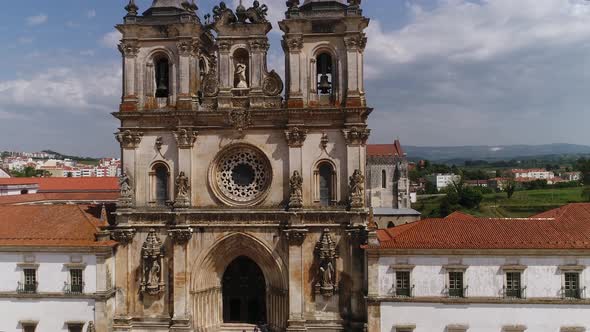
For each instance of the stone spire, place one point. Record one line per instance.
(165, 7)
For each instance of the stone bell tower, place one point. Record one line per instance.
(241, 207)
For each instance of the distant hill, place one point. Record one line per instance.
(496, 152)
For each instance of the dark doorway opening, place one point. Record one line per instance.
(244, 292)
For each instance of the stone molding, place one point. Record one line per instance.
(180, 236)
(129, 139)
(356, 42)
(476, 300)
(185, 48)
(123, 236)
(355, 136)
(294, 44)
(295, 137)
(295, 236)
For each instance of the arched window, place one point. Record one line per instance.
(391, 225)
(325, 74)
(325, 176)
(162, 77)
(383, 179)
(160, 177)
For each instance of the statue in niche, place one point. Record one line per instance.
(296, 186)
(125, 185)
(152, 281)
(326, 255)
(241, 82)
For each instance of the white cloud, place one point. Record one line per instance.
(111, 39)
(63, 89)
(91, 13)
(37, 19)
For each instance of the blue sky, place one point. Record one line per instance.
(439, 72)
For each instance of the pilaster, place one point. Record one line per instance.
(185, 50)
(181, 318)
(293, 45)
(185, 141)
(129, 49)
(296, 237)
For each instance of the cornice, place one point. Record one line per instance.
(477, 300)
(100, 295)
(477, 252)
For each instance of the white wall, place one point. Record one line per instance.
(483, 317)
(484, 275)
(52, 313)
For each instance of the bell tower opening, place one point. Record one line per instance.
(162, 78)
(244, 293)
(325, 77)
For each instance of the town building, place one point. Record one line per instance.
(4, 174)
(55, 275)
(442, 181)
(388, 185)
(532, 173)
(571, 176)
(464, 273)
(240, 208)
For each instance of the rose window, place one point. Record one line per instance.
(242, 176)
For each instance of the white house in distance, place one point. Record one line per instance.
(55, 275)
(464, 273)
(442, 181)
(533, 173)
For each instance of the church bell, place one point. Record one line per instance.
(324, 86)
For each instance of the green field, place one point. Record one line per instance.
(522, 204)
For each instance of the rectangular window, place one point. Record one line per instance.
(30, 280)
(75, 327)
(572, 285)
(402, 283)
(456, 284)
(513, 285)
(29, 328)
(77, 284)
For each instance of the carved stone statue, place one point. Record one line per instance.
(325, 251)
(241, 76)
(296, 189)
(152, 278)
(126, 199)
(90, 327)
(357, 190)
(182, 190)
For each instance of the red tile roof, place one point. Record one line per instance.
(68, 184)
(564, 228)
(394, 149)
(50, 226)
(60, 197)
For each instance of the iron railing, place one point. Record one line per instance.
(26, 288)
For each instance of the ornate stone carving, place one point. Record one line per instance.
(296, 191)
(356, 136)
(190, 7)
(356, 42)
(152, 254)
(211, 84)
(259, 45)
(182, 191)
(159, 143)
(129, 139)
(185, 47)
(180, 236)
(325, 251)
(239, 119)
(357, 190)
(185, 138)
(241, 176)
(131, 8)
(354, 3)
(272, 85)
(126, 187)
(90, 327)
(129, 48)
(295, 236)
(294, 44)
(324, 141)
(256, 14)
(295, 137)
(123, 236)
(224, 46)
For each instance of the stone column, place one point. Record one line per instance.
(356, 140)
(185, 50)
(354, 47)
(295, 138)
(129, 49)
(295, 237)
(123, 274)
(294, 45)
(181, 319)
(356, 237)
(185, 141)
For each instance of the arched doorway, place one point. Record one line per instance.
(244, 292)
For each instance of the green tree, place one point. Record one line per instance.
(586, 194)
(510, 188)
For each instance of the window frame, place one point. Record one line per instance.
(510, 291)
(317, 181)
(572, 270)
(456, 292)
(153, 194)
(28, 324)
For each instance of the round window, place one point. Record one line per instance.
(241, 176)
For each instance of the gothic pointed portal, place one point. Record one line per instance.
(244, 293)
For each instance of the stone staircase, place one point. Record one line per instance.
(238, 327)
